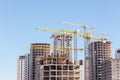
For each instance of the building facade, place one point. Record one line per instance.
(111, 69)
(21, 68)
(27, 67)
(98, 51)
(37, 51)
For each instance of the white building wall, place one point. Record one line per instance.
(81, 72)
(21, 68)
(115, 68)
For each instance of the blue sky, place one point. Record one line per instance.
(18, 19)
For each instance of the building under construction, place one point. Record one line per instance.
(60, 61)
(56, 65)
(98, 52)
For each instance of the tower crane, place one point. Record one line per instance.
(87, 38)
(61, 31)
(55, 31)
(86, 35)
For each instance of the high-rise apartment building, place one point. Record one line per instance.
(117, 54)
(111, 69)
(98, 51)
(37, 51)
(21, 68)
(27, 67)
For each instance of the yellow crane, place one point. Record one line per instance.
(63, 31)
(55, 31)
(86, 35)
(87, 38)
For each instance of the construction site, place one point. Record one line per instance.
(55, 66)
(60, 61)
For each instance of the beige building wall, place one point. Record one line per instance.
(37, 51)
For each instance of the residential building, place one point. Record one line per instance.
(111, 69)
(98, 52)
(21, 68)
(37, 51)
(27, 67)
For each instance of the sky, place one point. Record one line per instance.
(18, 19)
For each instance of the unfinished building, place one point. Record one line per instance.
(99, 51)
(58, 65)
